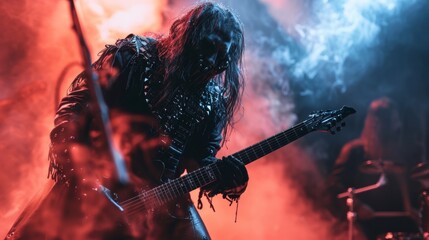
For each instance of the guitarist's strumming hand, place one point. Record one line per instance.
(233, 178)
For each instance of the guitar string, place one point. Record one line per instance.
(136, 208)
(148, 193)
(288, 135)
(139, 204)
(266, 143)
(170, 185)
(200, 175)
(256, 152)
(269, 142)
(151, 194)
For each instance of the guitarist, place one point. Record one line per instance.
(171, 100)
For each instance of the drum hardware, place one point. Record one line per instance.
(402, 236)
(420, 174)
(350, 195)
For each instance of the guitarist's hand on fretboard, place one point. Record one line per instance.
(232, 178)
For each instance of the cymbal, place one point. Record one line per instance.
(381, 166)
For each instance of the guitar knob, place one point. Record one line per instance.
(338, 129)
(343, 124)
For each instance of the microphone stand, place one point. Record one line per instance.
(350, 195)
(100, 109)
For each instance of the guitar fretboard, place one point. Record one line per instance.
(271, 144)
(173, 189)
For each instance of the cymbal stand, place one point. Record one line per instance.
(350, 195)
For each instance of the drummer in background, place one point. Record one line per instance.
(380, 148)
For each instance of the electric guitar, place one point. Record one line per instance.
(149, 200)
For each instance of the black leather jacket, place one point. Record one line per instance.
(136, 62)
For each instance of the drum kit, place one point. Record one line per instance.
(419, 174)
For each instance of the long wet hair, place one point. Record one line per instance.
(176, 50)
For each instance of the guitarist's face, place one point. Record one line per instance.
(211, 54)
(213, 51)
(203, 44)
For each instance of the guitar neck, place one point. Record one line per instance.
(322, 120)
(271, 144)
(206, 175)
(178, 187)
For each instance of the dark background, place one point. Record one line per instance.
(385, 54)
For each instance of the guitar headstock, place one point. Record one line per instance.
(330, 120)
